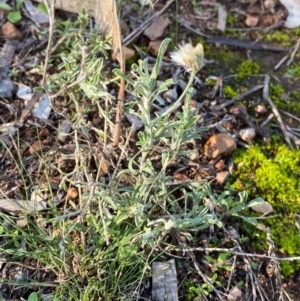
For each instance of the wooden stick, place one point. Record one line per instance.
(267, 98)
(119, 109)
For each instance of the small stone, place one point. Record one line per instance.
(128, 53)
(218, 145)
(260, 110)
(221, 177)
(11, 32)
(220, 165)
(252, 20)
(171, 95)
(193, 105)
(153, 47)
(235, 294)
(192, 154)
(247, 134)
(72, 193)
(264, 208)
(22, 222)
(238, 110)
(156, 28)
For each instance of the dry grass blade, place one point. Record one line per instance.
(107, 19)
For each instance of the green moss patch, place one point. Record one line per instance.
(290, 104)
(247, 68)
(273, 172)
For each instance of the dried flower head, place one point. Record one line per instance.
(189, 57)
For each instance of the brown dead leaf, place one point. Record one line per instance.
(44, 133)
(156, 28)
(102, 163)
(219, 144)
(180, 176)
(269, 19)
(252, 20)
(11, 32)
(36, 147)
(107, 19)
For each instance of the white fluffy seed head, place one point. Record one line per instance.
(189, 57)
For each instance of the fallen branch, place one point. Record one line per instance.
(240, 97)
(267, 98)
(205, 278)
(119, 109)
(272, 268)
(234, 252)
(294, 52)
(245, 44)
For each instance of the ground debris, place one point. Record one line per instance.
(164, 281)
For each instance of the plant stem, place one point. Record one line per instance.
(177, 103)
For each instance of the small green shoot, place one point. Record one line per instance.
(14, 15)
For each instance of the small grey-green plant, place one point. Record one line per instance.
(116, 223)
